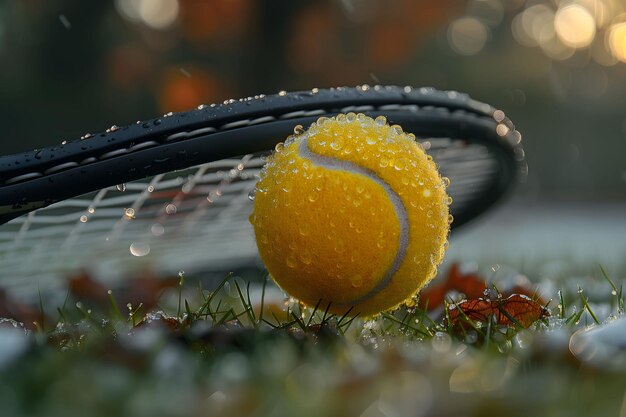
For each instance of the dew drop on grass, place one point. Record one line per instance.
(252, 194)
(121, 187)
(83, 219)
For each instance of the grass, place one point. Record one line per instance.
(241, 349)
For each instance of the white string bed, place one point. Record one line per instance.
(194, 219)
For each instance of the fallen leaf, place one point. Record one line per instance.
(472, 286)
(85, 288)
(515, 310)
(147, 288)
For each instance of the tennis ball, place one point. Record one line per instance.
(351, 215)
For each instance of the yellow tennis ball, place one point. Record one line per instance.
(351, 213)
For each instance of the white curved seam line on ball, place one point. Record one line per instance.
(401, 213)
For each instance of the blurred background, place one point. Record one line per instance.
(556, 67)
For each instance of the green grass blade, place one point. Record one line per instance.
(609, 280)
(403, 324)
(262, 300)
(561, 305)
(114, 306)
(587, 307)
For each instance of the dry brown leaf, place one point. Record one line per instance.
(515, 310)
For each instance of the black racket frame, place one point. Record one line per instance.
(41, 177)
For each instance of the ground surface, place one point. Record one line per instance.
(213, 353)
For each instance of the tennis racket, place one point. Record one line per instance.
(175, 192)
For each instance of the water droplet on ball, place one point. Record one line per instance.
(291, 261)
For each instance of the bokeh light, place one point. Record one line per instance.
(216, 21)
(561, 28)
(159, 14)
(156, 14)
(616, 39)
(534, 25)
(183, 90)
(467, 35)
(490, 12)
(129, 9)
(601, 10)
(601, 54)
(147, 57)
(555, 49)
(575, 26)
